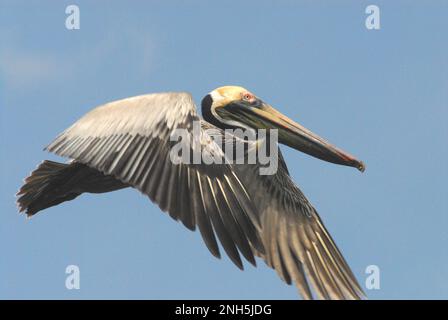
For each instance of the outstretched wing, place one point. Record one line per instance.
(130, 140)
(296, 243)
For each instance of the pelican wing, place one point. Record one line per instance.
(130, 140)
(296, 243)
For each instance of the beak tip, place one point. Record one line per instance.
(361, 166)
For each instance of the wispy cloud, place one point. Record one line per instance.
(21, 69)
(24, 68)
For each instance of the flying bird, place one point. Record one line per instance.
(127, 143)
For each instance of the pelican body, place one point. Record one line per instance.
(126, 143)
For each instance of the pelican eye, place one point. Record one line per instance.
(248, 97)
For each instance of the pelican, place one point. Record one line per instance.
(126, 143)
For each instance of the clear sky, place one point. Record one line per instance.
(381, 94)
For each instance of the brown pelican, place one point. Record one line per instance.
(126, 143)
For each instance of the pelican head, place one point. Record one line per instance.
(236, 107)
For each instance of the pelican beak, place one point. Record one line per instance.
(298, 137)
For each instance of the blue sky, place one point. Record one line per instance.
(379, 94)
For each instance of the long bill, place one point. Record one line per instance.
(298, 137)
